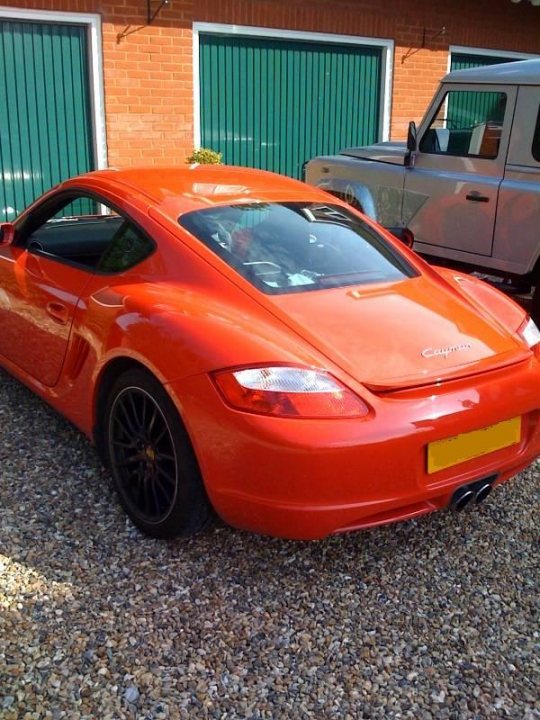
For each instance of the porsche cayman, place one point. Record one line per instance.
(235, 342)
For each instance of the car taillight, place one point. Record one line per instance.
(288, 391)
(530, 333)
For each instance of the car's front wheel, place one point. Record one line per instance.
(151, 459)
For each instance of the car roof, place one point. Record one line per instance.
(178, 190)
(522, 72)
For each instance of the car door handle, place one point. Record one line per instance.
(58, 312)
(475, 196)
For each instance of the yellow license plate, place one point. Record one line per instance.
(452, 451)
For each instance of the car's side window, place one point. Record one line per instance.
(127, 248)
(536, 139)
(468, 123)
(84, 231)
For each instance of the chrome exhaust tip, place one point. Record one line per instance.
(461, 498)
(482, 493)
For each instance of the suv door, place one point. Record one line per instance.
(517, 236)
(451, 192)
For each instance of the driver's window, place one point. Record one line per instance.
(86, 232)
(468, 123)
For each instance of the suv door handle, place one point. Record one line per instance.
(476, 196)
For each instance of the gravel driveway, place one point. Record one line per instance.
(434, 618)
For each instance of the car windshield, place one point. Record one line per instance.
(296, 247)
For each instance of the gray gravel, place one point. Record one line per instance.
(434, 618)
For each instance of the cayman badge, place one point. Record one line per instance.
(444, 351)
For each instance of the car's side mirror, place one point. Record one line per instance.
(411, 145)
(7, 233)
(411, 137)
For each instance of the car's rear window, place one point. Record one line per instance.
(296, 247)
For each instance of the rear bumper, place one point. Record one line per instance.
(306, 479)
(311, 522)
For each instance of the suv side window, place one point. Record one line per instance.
(536, 139)
(468, 123)
(84, 231)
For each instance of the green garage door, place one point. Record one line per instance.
(46, 128)
(463, 61)
(274, 104)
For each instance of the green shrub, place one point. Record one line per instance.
(204, 156)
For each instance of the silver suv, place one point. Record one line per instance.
(467, 183)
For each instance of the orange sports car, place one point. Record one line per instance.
(238, 342)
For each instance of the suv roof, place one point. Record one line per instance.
(522, 72)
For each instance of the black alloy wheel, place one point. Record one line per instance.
(154, 469)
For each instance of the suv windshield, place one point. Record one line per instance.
(295, 247)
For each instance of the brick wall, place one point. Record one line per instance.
(148, 71)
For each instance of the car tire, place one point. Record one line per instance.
(151, 459)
